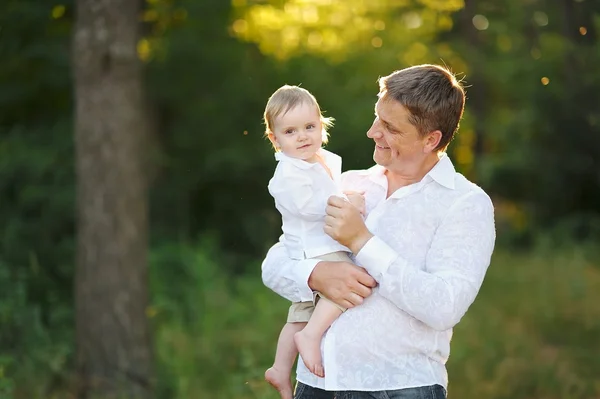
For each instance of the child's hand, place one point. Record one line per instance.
(357, 199)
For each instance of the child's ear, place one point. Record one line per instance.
(272, 139)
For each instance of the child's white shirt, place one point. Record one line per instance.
(301, 190)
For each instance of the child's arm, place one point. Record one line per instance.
(297, 196)
(357, 199)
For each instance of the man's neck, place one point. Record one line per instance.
(398, 180)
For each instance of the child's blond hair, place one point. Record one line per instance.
(286, 98)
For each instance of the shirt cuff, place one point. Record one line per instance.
(376, 257)
(301, 274)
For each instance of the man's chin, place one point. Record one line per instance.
(379, 160)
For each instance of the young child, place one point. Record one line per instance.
(305, 177)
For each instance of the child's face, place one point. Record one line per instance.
(298, 133)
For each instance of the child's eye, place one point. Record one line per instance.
(289, 131)
(310, 126)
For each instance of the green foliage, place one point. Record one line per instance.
(213, 333)
(34, 347)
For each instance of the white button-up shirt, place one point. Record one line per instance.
(301, 190)
(432, 245)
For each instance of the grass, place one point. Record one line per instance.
(532, 333)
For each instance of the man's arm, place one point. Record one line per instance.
(342, 282)
(287, 277)
(456, 264)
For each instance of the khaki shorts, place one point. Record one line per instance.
(300, 312)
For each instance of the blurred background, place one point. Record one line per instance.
(530, 138)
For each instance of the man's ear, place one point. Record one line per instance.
(432, 140)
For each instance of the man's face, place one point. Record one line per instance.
(398, 145)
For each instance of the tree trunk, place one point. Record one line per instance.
(114, 357)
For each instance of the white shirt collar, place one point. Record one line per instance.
(442, 172)
(331, 159)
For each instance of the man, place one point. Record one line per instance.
(424, 249)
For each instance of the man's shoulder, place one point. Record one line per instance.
(470, 191)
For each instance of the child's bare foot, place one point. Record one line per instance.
(310, 350)
(280, 381)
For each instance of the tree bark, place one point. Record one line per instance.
(114, 356)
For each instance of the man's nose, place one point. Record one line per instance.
(374, 131)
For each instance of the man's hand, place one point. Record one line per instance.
(357, 199)
(342, 282)
(344, 224)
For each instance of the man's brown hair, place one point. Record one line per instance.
(432, 95)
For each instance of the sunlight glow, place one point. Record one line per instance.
(545, 81)
(416, 53)
(315, 39)
(444, 5)
(582, 30)
(337, 28)
(310, 15)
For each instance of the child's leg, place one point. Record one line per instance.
(279, 374)
(308, 341)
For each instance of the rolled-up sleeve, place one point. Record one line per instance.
(287, 277)
(455, 265)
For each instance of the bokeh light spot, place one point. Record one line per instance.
(480, 22)
(412, 20)
(143, 49)
(240, 26)
(540, 18)
(58, 11)
(315, 39)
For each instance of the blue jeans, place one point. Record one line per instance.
(429, 392)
